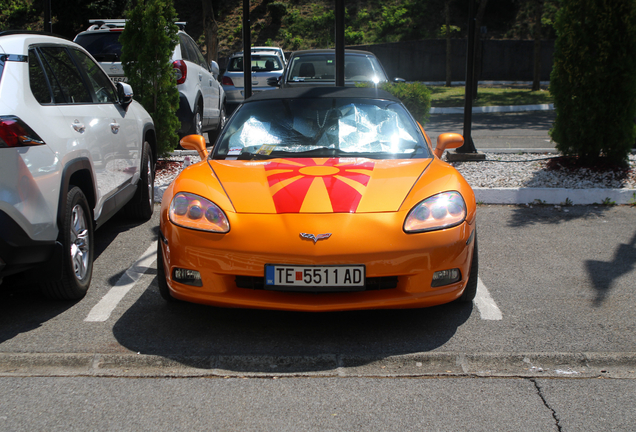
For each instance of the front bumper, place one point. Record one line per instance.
(375, 240)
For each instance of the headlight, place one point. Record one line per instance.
(195, 212)
(440, 211)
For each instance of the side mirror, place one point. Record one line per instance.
(447, 141)
(274, 81)
(125, 94)
(195, 142)
(214, 68)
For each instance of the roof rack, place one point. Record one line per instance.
(105, 24)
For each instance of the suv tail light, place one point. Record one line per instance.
(227, 81)
(180, 70)
(15, 133)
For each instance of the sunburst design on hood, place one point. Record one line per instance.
(318, 185)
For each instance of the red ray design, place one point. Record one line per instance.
(343, 197)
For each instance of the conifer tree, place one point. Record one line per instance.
(148, 40)
(593, 80)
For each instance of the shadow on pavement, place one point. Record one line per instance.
(604, 273)
(184, 331)
(549, 214)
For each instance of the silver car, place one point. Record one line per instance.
(318, 67)
(266, 64)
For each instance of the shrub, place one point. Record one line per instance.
(415, 96)
(147, 41)
(593, 79)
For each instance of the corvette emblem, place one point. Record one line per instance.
(315, 238)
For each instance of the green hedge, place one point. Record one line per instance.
(415, 96)
(593, 79)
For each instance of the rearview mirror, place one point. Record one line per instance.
(124, 94)
(197, 143)
(448, 141)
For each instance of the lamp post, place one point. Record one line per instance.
(247, 51)
(467, 151)
(339, 37)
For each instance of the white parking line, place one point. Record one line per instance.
(102, 310)
(487, 307)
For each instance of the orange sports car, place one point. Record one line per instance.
(319, 199)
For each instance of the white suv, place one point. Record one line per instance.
(74, 149)
(202, 99)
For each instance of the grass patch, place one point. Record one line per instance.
(488, 96)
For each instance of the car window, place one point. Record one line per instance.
(198, 55)
(98, 80)
(235, 64)
(64, 77)
(266, 63)
(322, 127)
(37, 80)
(104, 46)
(186, 49)
(323, 68)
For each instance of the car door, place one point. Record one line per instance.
(209, 85)
(93, 121)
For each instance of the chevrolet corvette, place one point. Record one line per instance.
(319, 199)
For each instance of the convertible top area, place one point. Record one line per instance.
(323, 92)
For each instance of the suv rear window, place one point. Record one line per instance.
(104, 46)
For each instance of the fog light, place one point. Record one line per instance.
(446, 277)
(188, 277)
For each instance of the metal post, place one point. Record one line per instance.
(247, 51)
(469, 146)
(340, 51)
(48, 24)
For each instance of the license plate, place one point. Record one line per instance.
(323, 278)
(119, 79)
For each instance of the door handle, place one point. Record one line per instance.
(79, 127)
(114, 128)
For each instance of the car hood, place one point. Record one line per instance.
(322, 185)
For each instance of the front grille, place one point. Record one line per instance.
(372, 284)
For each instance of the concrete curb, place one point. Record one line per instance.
(493, 109)
(557, 196)
(431, 364)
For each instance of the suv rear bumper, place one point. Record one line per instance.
(185, 115)
(18, 252)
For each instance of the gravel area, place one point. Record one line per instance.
(499, 170)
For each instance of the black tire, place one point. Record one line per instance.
(197, 121)
(213, 134)
(161, 275)
(142, 204)
(76, 237)
(471, 286)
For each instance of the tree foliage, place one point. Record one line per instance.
(593, 79)
(147, 41)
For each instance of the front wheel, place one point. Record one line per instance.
(471, 286)
(197, 121)
(76, 237)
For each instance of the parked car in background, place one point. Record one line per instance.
(75, 148)
(319, 199)
(202, 104)
(318, 67)
(267, 63)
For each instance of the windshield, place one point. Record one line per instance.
(322, 68)
(104, 46)
(321, 127)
